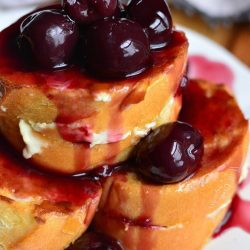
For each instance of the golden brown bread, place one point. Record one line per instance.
(38, 211)
(34, 206)
(111, 116)
(182, 215)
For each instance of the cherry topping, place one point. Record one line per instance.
(96, 241)
(116, 48)
(120, 11)
(49, 37)
(170, 153)
(87, 11)
(155, 17)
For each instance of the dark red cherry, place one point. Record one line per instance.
(155, 18)
(49, 37)
(120, 11)
(96, 241)
(170, 153)
(87, 11)
(116, 48)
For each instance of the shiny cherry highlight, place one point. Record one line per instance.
(116, 48)
(87, 11)
(49, 37)
(154, 16)
(170, 153)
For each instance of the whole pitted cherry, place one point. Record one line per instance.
(155, 18)
(49, 37)
(87, 11)
(116, 48)
(170, 153)
(96, 241)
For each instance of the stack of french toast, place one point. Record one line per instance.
(105, 142)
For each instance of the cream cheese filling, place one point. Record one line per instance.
(103, 97)
(34, 145)
(42, 126)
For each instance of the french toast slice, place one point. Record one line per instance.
(39, 211)
(80, 122)
(182, 215)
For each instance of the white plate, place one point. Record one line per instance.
(200, 45)
(211, 54)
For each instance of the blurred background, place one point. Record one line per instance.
(225, 21)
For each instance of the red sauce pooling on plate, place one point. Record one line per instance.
(202, 68)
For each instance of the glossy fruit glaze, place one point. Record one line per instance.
(155, 18)
(87, 11)
(96, 241)
(15, 72)
(170, 153)
(214, 101)
(112, 47)
(24, 181)
(48, 38)
(116, 48)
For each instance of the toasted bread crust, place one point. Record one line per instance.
(114, 110)
(39, 211)
(182, 215)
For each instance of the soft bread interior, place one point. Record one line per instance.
(182, 215)
(39, 211)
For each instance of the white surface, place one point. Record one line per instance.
(9, 16)
(203, 46)
(234, 239)
(221, 8)
(245, 193)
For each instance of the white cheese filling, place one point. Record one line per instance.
(103, 97)
(97, 138)
(3, 108)
(34, 144)
(42, 126)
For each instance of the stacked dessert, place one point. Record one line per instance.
(100, 127)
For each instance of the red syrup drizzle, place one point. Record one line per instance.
(139, 222)
(17, 72)
(81, 156)
(146, 238)
(102, 172)
(202, 68)
(18, 176)
(238, 215)
(144, 221)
